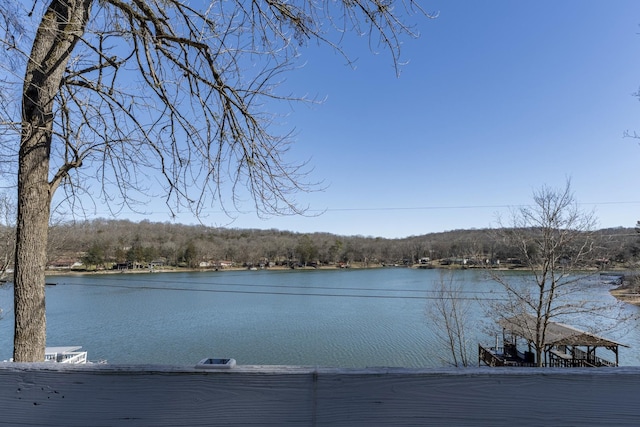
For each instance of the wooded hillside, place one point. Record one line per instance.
(102, 243)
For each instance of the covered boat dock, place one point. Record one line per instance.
(564, 346)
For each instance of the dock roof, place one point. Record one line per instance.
(556, 333)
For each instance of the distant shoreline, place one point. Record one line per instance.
(629, 290)
(200, 270)
(624, 295)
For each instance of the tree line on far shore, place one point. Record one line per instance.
(102, 243)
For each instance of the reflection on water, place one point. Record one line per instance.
(345, 318)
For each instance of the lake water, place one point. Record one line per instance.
(342, 318)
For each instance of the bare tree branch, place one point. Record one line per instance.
(128, 92)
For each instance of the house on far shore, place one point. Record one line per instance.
(64, 264)
(564, 346)
(128, 265)
(160, 262)
(224, 264)
(215, 264)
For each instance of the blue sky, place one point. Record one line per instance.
(498, 98)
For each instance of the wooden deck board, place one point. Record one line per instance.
(108, 395)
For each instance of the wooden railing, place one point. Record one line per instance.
(591, 360)
(489, 357)
(80, 395)
(495, 356)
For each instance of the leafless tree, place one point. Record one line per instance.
(450, 311)
(554, 242)
(118, 91)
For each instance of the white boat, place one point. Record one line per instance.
(68, 354)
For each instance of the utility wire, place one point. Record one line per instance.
(428, 292)
(437, 207)
(230, 291)
(253, 285)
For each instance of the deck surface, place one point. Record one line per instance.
(108, 395)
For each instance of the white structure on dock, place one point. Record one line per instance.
(68, 354)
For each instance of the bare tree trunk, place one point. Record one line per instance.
(61, 26)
